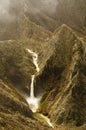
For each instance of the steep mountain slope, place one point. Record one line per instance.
(44, 20)
(15, 64)
(23, 13)
(14, 111)
(61, 59)
(64, 80)
(23, 29)
(19, 26)
(70, 12)
(70, 106)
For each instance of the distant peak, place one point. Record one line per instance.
(64, 32)
(63, 27)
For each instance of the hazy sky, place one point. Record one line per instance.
(33, 5)
(4, 11)
(4, 7)
(45, 5)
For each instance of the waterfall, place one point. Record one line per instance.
(47, 120)
(35, 59)
(32, 86)
(32, 100)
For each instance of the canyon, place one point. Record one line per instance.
(43, 65)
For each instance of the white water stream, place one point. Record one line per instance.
(47, 120)
(32, 87)
(32, 100)
(35, 59)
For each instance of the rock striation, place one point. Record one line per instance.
(63, 79)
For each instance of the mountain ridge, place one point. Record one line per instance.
(58, 38)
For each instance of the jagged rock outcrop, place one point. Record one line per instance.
(16, 64)
(62, 62)
(70, 106)
(16, 68)
(14, 111)
(64, 80)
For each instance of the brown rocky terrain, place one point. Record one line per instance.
(14, 111)
(64, 80)
(58, 37)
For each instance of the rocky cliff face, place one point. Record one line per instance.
(64, 80)
(15, 112)
(62, 62)
(68, 105)
(16, 64)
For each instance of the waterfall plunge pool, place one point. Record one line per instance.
(32, 100)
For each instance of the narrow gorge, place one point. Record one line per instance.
(43, 65)
(33, 101)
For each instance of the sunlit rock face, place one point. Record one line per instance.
(72, 97)
(62, 62)
(16, 65)
(65, 80)
(15, 112)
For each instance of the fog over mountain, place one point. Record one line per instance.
(43, 5)
(34, 6)
(4, 9)
(46, 13)
(8, 9)
(42, 64)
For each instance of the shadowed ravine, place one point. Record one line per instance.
(42, 65)
(32, 100)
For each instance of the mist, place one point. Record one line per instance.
(49, 5)
(6, 13)
(42, 6)
(4, 9)
(33, 6)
